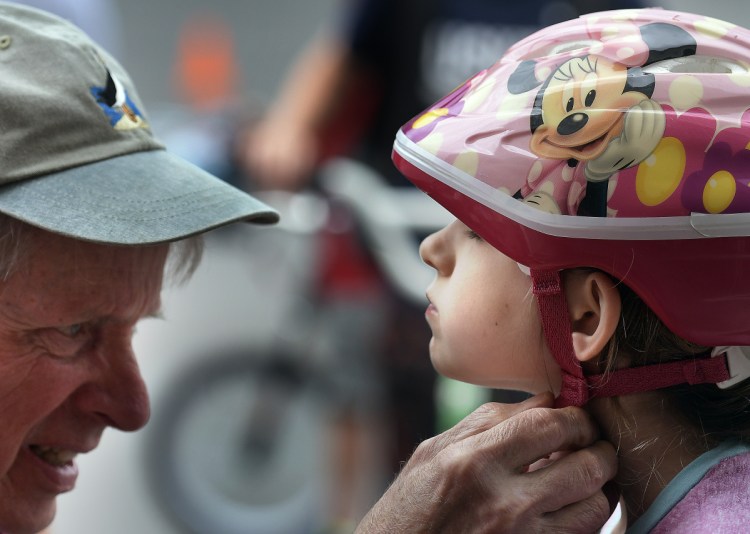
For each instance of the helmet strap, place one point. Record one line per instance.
(553, 311)
(577, 389)
(703, 370)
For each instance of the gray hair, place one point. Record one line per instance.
(16, 237)
(184, 257)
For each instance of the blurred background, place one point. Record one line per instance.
(264, 295)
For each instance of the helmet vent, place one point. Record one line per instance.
(698, 65)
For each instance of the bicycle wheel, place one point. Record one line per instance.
(238, 447)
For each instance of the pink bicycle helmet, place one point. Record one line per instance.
(620, 141)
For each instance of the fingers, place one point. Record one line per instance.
(633, 123)
(585, 516)
(536, 433)
(488, 416)
(472, 478)
(644, 127)
(605, 165)
(278, 156)
(518, 434)
(639, 122)
(578, 476)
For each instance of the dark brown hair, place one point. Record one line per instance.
(643, 338)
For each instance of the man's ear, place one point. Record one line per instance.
(594, 306)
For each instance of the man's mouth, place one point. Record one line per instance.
(54, 456)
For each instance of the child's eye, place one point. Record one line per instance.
(471, 234)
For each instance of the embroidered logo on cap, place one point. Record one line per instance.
(122, 112)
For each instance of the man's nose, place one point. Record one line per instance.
(116, 392)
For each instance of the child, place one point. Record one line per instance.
(600, 175)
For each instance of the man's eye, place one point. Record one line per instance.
(65, 341)
(71, 330)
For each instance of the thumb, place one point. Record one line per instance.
(488, 416)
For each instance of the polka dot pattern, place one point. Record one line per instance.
(680, 138)
(479, 96)
(467, 162)
(719, 192)
(430, 116)
(713, 28)
(660, 174)
(685, 92)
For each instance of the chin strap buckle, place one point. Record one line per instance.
(738, 362)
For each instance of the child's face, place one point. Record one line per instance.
(484, 320)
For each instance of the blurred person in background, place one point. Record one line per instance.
(378, 64)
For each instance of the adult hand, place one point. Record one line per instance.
(278, 154)
(475, 476)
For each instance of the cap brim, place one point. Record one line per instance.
(135, 199)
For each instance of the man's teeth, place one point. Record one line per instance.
(52, 455)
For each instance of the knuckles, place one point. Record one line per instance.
(593, 469)
(470, 477)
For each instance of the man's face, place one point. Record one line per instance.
(67, 370)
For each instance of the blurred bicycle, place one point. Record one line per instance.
(239, 442)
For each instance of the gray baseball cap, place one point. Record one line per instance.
(77, 155)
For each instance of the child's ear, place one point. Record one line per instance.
(594, 306)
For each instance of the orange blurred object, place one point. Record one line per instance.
(206, 71)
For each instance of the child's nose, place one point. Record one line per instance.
(426, 248)
(432, 250)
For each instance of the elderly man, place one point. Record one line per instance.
(90, 202)
(92, 208)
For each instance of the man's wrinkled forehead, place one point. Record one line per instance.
(45, 255)
(59, 279)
